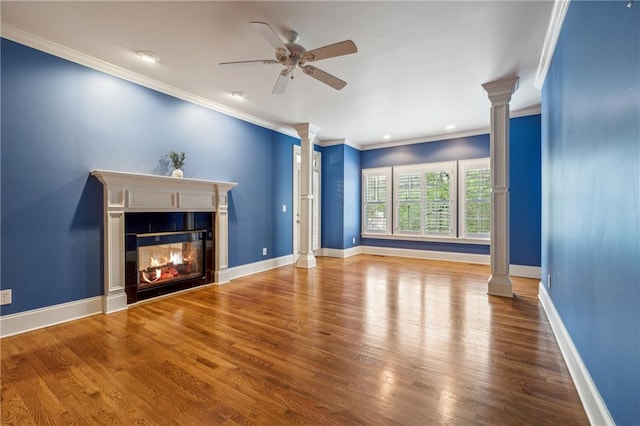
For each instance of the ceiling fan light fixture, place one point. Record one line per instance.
(239, 95)
(148, 56)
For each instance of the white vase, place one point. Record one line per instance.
(177, 173)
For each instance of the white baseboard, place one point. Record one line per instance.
(51, 315)
(591, 400)
(342, 253)
(525, 271)
(482, 259)
(263, 265)
(427, 254)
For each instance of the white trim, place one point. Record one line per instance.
(387, 172)
(428, 254)
(525, 271)
(341, 253)
(51, 315)
(335, 142)
(261, 266)
(591, 400)
(44, 45)
(431, 239)
(524, 112)
(558, 14)
(434, 138)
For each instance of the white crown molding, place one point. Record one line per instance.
(334, 142)
(592, 401)
(435, 138)
(42, 44)
(524, 112)
(558, 14)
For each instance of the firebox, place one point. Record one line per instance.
(167, 252)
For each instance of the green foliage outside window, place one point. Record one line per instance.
(478, 201)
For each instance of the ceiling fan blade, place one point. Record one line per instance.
(324, 77)
(269, 34)
(241, 63)
(281, 82)
(346, 47)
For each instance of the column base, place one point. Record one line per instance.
(114, 302)
(306, 260)
(221, 276)
(500, 285)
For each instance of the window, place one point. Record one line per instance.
(449, 199)
(409, 202)
(376, 192)
(475, 198)
(425, 196)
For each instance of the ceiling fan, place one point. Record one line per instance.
(292, 56)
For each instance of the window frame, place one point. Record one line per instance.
(464, 166)
(457, 188)
(422, 170)
(386, 172)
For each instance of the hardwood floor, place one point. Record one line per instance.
(363, 340)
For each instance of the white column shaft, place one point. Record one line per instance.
(500, 94)
(307, 133)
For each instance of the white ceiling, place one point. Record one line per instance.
(419, 66)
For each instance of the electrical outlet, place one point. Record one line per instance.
(548, 280)
(353, 240)
(284, 208)
(5, 297)
(264, 251)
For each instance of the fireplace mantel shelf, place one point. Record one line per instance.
(136, 192)
(151, 193)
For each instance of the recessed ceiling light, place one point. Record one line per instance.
(239, 95)
(148, 56)
(387, 136)
(450, 127)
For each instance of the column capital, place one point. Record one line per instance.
(306, 130)
(500, 91)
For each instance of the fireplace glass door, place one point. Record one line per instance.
(169, 256)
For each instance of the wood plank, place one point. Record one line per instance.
(363, 340)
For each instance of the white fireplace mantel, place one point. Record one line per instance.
(135, 192)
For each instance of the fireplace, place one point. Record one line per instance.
(166, 252)
(161, 234)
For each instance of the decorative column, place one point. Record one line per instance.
(221, 237)
(114, 298)
(499, 93)
(307, 133)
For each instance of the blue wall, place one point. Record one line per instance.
(525, 185)
(60, 120)
(332, 188)
(341, 197)
(352, 199)
(591, 195)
